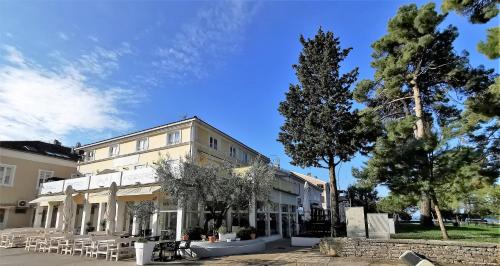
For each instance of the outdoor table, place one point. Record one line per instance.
(164, 246)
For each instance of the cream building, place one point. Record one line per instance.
(128, 161)
(24, 167)
(324, 189)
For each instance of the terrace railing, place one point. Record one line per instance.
(124, 178)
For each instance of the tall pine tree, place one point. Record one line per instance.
(417, 72)
(320, 127)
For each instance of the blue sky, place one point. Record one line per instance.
(80, 71)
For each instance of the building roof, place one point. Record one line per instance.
(193, 118)
(41, 148)
(310, 179)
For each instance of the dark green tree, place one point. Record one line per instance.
(360, 196)
(479, 12)
(321, 129)
(491, 48)
(417, 74)
(400, 206)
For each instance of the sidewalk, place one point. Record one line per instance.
(277, 253)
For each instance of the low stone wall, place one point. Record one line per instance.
(439, 252)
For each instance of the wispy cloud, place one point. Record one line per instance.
(202, 44)
(43, 103)
(93, 38)
(62, 36)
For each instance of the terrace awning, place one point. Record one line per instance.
(137, 193)
(44, 200)
(126, 194)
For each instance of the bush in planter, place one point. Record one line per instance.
(245, 233)
(222, 230)
(195, 233)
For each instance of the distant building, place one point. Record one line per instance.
(24, 167)
(324, 186)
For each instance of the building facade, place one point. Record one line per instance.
(324, 189)
(128, 161)
(24, 167)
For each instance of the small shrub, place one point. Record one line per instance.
(222, 230)
(195, 233)
(245, 233)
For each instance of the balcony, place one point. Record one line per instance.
(125, 178)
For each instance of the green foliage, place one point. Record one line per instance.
(222, 230)
(142, 210)
(398, 205)
(321, 129)
(478, 11)
(245, 233)
(491, 48)
(361, 195)
(218, 187)
(319, 123)
(424, 147)
(195, 233)
(474, 233)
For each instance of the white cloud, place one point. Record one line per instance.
(201, 44)
(14, 56)
(62, 36)
(41, 103)
(93, 38)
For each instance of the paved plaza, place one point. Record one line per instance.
(277, 253)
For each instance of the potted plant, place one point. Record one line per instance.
(247, 233)
(253, 232)
(195, 233)
(143, 248)
(89, 227)
(143, 251)
(103, 225)
(224, 235)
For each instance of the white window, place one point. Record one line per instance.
(89, 156)
(142, 144)
(113, 150)
(43, 175)
(7, 173)
(232, 151)
(213, 143)
(243, 156)
(173, 137)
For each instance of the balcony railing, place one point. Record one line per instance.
(131, 177)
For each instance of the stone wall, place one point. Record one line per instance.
(439, 252)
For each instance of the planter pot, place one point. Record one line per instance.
(211, 239)
(224, 237)
(253, 235)
(143, 252)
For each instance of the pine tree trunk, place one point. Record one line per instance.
(334, 206)
(444, 233)
(425, 202)
(419, 131)
(425, 211)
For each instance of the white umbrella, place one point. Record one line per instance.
(111, 209)
(68, 210)
(305, 204)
